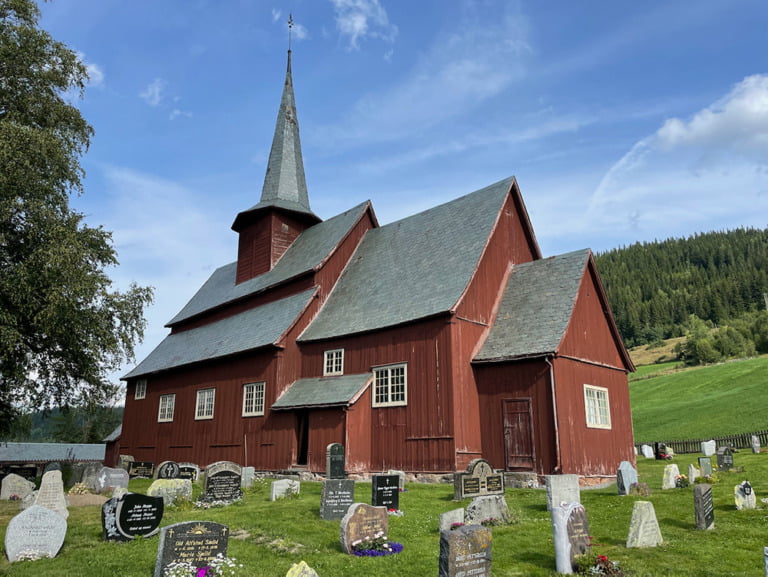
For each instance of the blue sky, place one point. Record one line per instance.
(622, 121)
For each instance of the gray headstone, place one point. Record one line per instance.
(487, 508)
(693, 473)
(131, 515)
(144, 469)
(361, 522)
(708, 448)
(644, 528)
(248, 477)
(401, 477)
(704, 506)
(479, 479)
(385, 491)
(283, 488)
(570, 531)
(724, 459)
(625, 476)
(222, 482)
(167, 470)
(755, 444)
(15, 487)
(124, 461)
(451, 518)
(466, 551)
(334, 461)
(562, 489)
(336, 497)
(671, 473)
(301, 570)
(195, 542)
(640, 490)
(705, 465)
(744, 496)
(51, 493)
(89, 474)
(189, 471)
(108, 479)
(171, 490)
(647, 451)
(35, 533)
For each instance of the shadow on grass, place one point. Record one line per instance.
(678, 523)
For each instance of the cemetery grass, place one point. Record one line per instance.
(268, 537)
(701, 403)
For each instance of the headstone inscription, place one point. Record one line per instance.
(562, 489)
(479, 479)
(724, 459)
(131, 515)
(301, 570)
(51, 493)
(35, 533)
(466, 551)
(703, 506)
(755, 443)
(647, 451)
(108, 479)
(385, 491)
(194, 542)
(15, 487)
(336, 497)
(283, 488)
(488, 508)
(168, 470)
(361, 522)
(708, 447)
(744, 496)
(705, 466)
(454, 517)
(141, 469)
(334, 461)
(643, 528)
(625, 476)
(189, 471)
(222, 482)
(671, 473)
(171, 490)
(570, 531)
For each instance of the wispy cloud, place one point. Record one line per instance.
(276, 14)
(153, 94)
(357, 20)
(177, 112)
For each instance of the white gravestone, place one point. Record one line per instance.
(671, 473)
(16, 487)
(283, 488)
(647, 451)
(51, 494)
(643, 528)
(744, 496)
(709, 448)
(35, 533)
(562, 489)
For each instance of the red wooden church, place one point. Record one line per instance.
(419, 345)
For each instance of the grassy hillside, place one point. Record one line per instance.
(701, 402)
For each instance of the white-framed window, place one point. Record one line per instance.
(165, 409)
(253, 399)
(204, 408)
(390, 386)
(140, 392)
(597, 407)
(334, 362)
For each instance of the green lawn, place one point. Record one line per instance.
(288, 531)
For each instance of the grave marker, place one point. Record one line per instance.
(479, 479)
(35, 533)
(141, 469)
(168, 470)
(336, 497)
(334, 461)
(625, 476)
(171, 490)
(189, 471)
(660, 451)
(647, 451)
(744, 496)
(451, 518)
(360, 522)
(283, 488)
(704, 506)
(466, 551)
(401, 476)
(51, 493)
(248, 477)
(671, 473)
(640, 490)
(195, 542)
(385, 491)
(16, 486)
(724, 459)
(705, 465)
(487, 507)
(131, 515)
(570, 531)
(708, 447)
(222, 482)
(562, 489)
(693, 473)
(108, 479)
(755, 444)
(643, 528)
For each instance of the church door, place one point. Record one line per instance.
(518, 434)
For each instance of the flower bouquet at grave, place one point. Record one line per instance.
(395, 512)
(220, 566)
(376, 546)
(600, 565)
(681, 482)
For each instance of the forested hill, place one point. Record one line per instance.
(654, 287)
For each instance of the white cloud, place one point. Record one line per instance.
(276, 14)
(361, 19)
(299, 31)
(153, 93)
(177, 112)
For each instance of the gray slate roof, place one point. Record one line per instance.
(246, 331)
(48, 452)
(323, 391)
(114, 435)
(536, 307)
(413, 268)
(306, 253)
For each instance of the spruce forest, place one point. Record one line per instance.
(710, 287)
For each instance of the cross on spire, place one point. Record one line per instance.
(290, 29)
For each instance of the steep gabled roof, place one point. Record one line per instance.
(308, 252)
(413, 268)
(536, 307)
(252, 329)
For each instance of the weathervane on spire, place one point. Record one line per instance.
(290, 29)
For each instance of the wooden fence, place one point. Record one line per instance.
(737, 441)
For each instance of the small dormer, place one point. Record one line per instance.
(269, 228)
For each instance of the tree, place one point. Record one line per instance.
(63, 327)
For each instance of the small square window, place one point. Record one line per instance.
(597, 407)
(140, 392)
(165, 410)
(253, 399)
(334, 362)
(205, 398)
(390, 386)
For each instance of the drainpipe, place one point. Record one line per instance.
(558, 465)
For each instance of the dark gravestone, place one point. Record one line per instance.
(570, 531)
(222, 482)
(466, 551)
(189, 471)
(141, 469)
(168, 470)
(385, 491)
(724, 459)
(334, 461)
(705, 465)
(337, 496)
(625, 477)
(704, 506)
(194, 542)
(130, 516)
(479, 479)
(659, 451)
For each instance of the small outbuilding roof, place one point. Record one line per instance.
(49, 452)
(323, 392)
